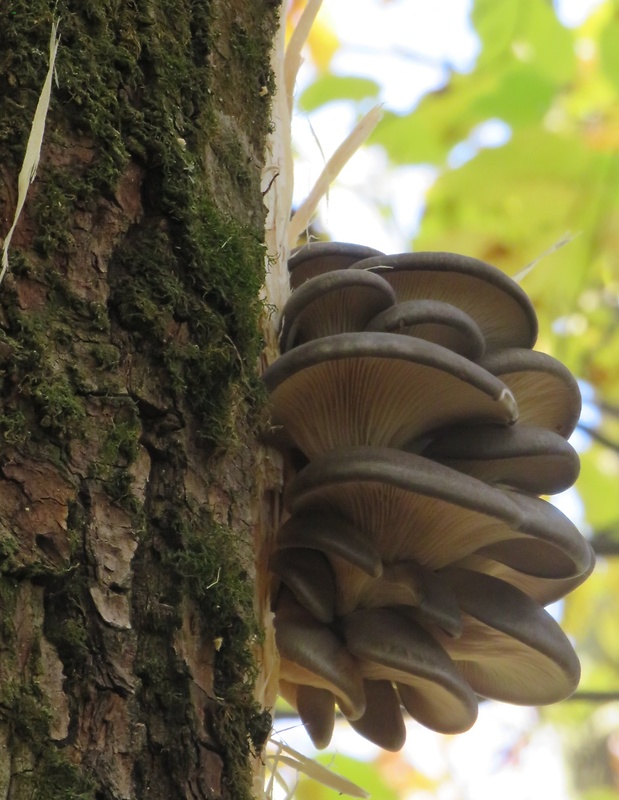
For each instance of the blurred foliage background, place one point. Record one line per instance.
(547, 92)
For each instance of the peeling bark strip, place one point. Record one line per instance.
(128, 350)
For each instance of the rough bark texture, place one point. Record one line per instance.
(129, 403)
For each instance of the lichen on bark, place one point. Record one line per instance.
(129, 339)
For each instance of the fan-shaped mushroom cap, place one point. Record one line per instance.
(553, 547)
(336, 302)
(377, 388)
(382, 722)
(545, 390)
(316, 709)
(411, 508)
(316, 258)
(311, 654)
(497, 304)
(434, 321)
(391, 647)
(332, 534)
(542, 590)
(524, 457)
(309, 576)
(511, 649)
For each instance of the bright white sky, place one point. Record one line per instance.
(405, 45)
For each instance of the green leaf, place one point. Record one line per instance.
(609, 51)
(496, 24)
(329, 88)
(361, 773)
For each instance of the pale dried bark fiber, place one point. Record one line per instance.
(418, 428)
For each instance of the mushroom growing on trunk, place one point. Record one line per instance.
(415, 554)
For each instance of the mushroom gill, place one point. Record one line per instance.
(497, 304)
(377, 389)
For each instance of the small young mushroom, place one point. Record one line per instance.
(312, 654)
(336, 302)
(378, 389)
(316, 708)
(309, 576)
(382, 721)
(434, 321)
(332, 534)
(545, 390)
(522, 457)
(511, 649)
(316, 258)
(494, 301)
(392, 647)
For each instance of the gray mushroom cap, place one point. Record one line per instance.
(391, 647)
(316, 708)
(410, 508)
(309, 576)
(311, 654)
(379, 389)
(382, 722)
(433, 321)
(494, 301)
(336, 302)
(316, 258)
(545, 390)
(553, 547)
(332, 534)
(523, 457)
(544, 590)
(511, 649)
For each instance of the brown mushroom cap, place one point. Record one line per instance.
(523, 457)
(511, 649)
(433, 321)
(391, 647)
(498, 305)
(382, 722)
(311, 654)
(336, 302)
(546, 391)
(410, 508)
(332, 534)
(316, 258)
(309, 576)
(379, 389)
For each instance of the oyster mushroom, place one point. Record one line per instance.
(336, 302)
(523, 457)
(494, 301)
(316, 258)
(545, 390)
(434, 321)
(379, 389)
(334, 535)
(410, 508)
(391, 647)
(311, 654)
(511, 649)
(316, 708)
(309, 576)
(382, 721)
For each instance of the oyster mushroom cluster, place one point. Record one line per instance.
(415, 556)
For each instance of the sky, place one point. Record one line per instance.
(408, 48)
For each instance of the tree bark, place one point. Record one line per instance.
(130, 405)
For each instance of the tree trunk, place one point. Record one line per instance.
(129, 343)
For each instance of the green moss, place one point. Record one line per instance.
(23, 711)
(209, 564)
